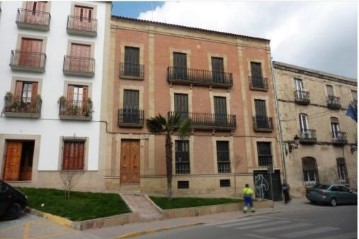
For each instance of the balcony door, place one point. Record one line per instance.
(336, 134)
(80, 57)
(299, 89)
(25, 94)
(220, 110)
(303, 125)
(261, 114)
(35, 13)
(30, 52)
(217, 70)
(257, 77)
(179, 65)
(77, 96)
(83, 18)
(181, 104)
(132, 61)
(131, 112)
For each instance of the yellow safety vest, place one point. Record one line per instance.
(247, 191)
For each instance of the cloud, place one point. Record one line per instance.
(316, 35)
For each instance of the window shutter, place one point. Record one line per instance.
(181, 103)
(18, 90)
(131, 99)
(220, 105)
(256, 70)
(260, 107)
(70, 93)
(179, 60)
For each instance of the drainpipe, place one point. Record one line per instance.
(279, 123)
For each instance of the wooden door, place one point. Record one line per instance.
(35, 13)
(12, 160)
(80, 57)
(130, 161)
(83, 18)
(30, 53)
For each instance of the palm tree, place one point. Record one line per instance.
(174, 124)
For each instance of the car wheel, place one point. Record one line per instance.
(13, 212)
(333, 202)
(313, 202)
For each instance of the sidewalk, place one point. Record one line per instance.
(30, 226)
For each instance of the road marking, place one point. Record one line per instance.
(260, 237)
(261, 225)
(350, 235)
(26, 230)
(239, 223)
(283, 228)
(309, 232)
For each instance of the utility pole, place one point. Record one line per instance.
(270, 170)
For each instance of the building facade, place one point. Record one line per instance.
(221, 81)
(313, 109)
(52, 68)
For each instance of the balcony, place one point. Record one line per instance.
(81, 26)
(258, 83)
(308, 136)
(262, 124)
(186, 76)
(301, 97)
(132, 71)
(79, 66)
(33, 20)
(75, 110)
(27, 61)
(204, 121)
(333, 103)
(339, 138)
(131, 117)
(22, 107)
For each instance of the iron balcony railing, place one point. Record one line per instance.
(25, 60)
(307, 136)
(79, 66)
(131, 117)
(206, 121)
(33, 19)
(75, 110)
(82, 25)
(262, 123)
(258, 83)
(301, 97)
(339, 138)
(22, 106)
(129, 70)
(186, 76)
(333, 102)
(224, 166)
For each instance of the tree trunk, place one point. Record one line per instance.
(169, 164)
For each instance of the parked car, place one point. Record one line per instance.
(12, 202)
(332, 194)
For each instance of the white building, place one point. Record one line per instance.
(52, 66)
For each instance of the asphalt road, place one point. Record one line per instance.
(326, 223)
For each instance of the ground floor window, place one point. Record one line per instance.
(223, 163)
(73, 154)
(342, 171)
(310, 171)
(182, 157)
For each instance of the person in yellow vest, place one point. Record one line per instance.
(248, 198)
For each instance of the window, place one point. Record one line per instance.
(181, 104)
(25, 91)
(217, 70)
(220, 110)
(132, 61)
(77, 95)
(179, 65)
(131, 112)
(73, 154)
(83, 17)
(298, 84)
(310, 171)
(303, 122)
(30, 53)
(34, 13)
(335, 127)
(264, 153)
(224, 183)
(223, 163)
(355, 96)
(261, 114)
(182, 184)
(80, 57)
(182, 157)
(342, 170)
(300, 94)
(256, 70)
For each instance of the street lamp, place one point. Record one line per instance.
(293, 144)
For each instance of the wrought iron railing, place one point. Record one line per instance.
(265, 160)
(28, 60)
(82, 24)
(187, 76)
(339, 137)
(224, 166)
(301, 97)
(79, 65)
(130, 117)
(25, 16)
(259, 83)
(132, 70)
(75, 108)
(307, 136)
(31, 105)
(262, 123)
(182, 167)
(333, 102)
(209, 121)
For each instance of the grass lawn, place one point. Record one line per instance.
(81, 205)
(164, 203)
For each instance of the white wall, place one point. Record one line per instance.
(49, 126)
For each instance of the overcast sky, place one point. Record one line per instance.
(317, 35)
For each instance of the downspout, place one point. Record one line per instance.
(279, 123)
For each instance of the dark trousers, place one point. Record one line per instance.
(286, 196)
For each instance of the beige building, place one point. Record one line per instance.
(319, 140)
(221, 81)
